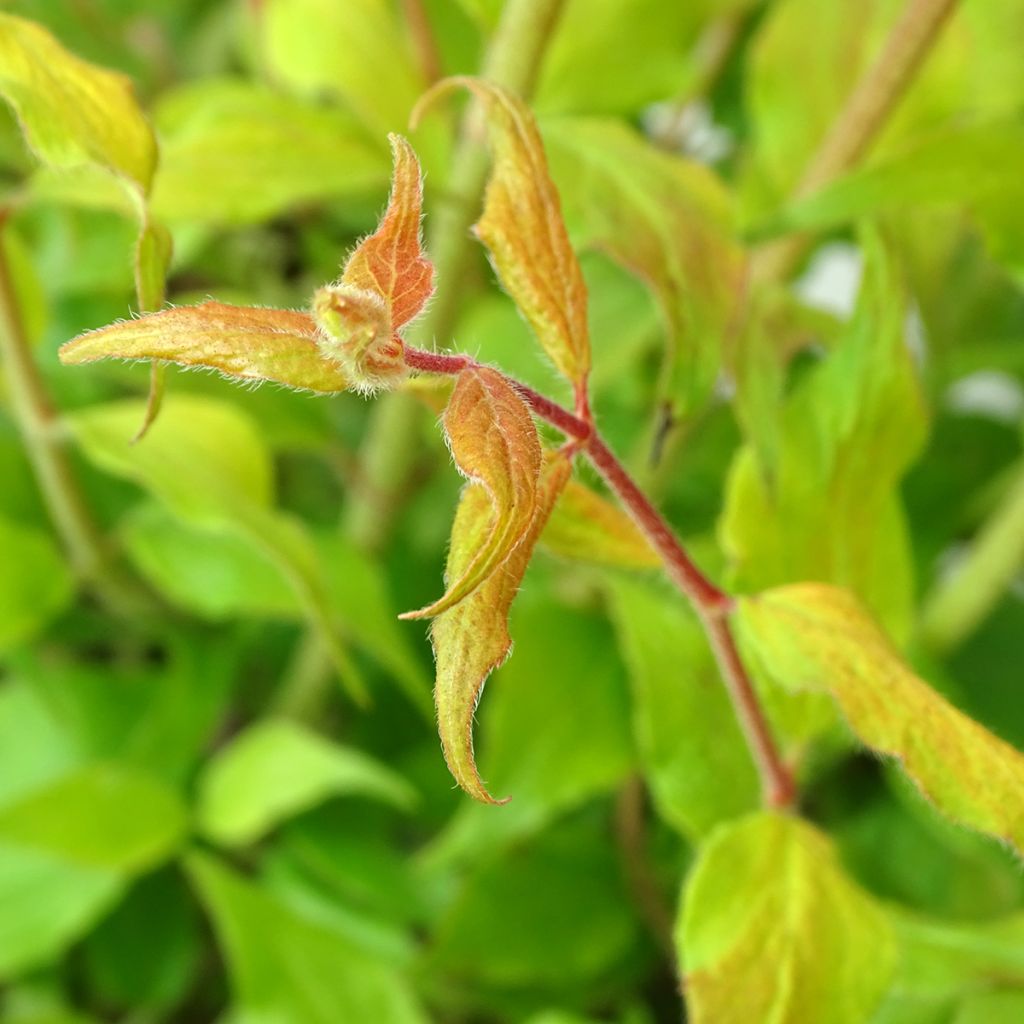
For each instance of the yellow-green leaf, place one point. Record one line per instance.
(472, 639)
(810, 636)
(522, 227)
(773, 930)
(247, 343)
(72, 112)
(589, 528)
(495, 445)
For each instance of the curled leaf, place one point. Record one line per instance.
(73, 112)
(390, 262)
(810, 636)
(495, 445)
(522, 227)
(471, 639)
(246, 343)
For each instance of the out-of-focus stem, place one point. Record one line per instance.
(36, 419)
(866, 112)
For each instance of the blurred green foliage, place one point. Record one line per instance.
(228, 801)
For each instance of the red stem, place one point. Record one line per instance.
(711, 604)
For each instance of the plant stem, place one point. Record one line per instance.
(423, 40)
(711, 604)
(36, 418)
(866, 112)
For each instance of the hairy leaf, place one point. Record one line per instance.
(522, 227)
(588, 527)
(773, 930)
(495, 445)
(666, 220)
(390, 262)
(73, 112)
(247, 343)
(810, 636)
(471, 639)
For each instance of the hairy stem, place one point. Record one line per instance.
(36, 419)
(711, 604)
(866, 112)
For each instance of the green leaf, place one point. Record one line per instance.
(963, 165)
(277, 769)
(693, 755)
(238, 153)
(377, 80)
(285, 967)
(668, 221)
(101, 816)
(144, 955)
(48, 903)
(773, 930)
(814, 637)
(828, 507)
(72, 112)
(206, 462)
(35, 584)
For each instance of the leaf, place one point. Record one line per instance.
(287, 967)
(73, 112)
(242, 342)
(277, 769)
(358, 53)
(827, 507)
(48, 903)
(104, 816)
(814, 637)
(205, 460)
(494, 443)
(522, 227)
(390, 262)
(233, 152)
(554, 751)
(587, 527)
(773, 930)
(35, 584)
(471, 639)
(692, 753)
(668, 221)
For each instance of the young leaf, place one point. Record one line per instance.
(247, 343)
(73, 112)
(810, 636)
(391, 262)
(589, 528)
(495, 445)
(522, 227)
(471, 639)
(773, 930)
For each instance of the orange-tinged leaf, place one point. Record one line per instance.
(810, 636)
(495, 445)
(522, 227)
(390, 262)
(589, 528)
(247, 343)
(472, 639)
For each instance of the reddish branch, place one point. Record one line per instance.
(711, 604)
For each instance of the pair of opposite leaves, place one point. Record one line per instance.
(351, 340)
